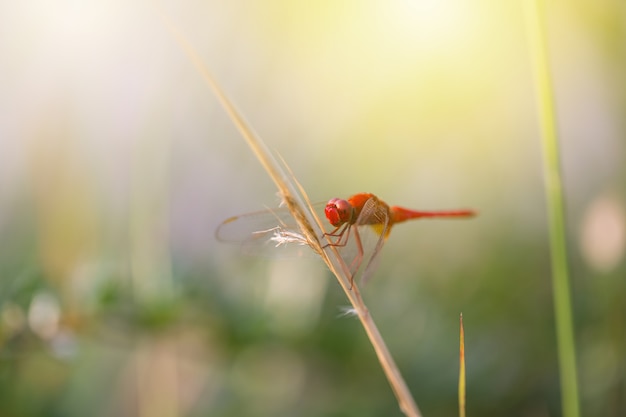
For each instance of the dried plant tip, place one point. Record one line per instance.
(348, 311)
(283, 237)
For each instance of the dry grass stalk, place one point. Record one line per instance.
(311, 228)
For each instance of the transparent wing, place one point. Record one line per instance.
(370, 234)
(275, 233)
(271, 232)
(254, 226)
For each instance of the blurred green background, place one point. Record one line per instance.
(117, 164)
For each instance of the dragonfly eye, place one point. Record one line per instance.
(338, 211)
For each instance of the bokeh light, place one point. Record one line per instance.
(603, 235)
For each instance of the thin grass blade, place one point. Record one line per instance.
(461, 368)
(535, 21)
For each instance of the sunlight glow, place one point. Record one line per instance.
(431, 23)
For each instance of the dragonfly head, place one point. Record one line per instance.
(338, 212)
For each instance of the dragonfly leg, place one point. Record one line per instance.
(342, 233)
(339, 234)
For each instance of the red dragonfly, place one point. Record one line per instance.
(345, 216)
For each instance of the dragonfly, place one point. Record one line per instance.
(347, 218)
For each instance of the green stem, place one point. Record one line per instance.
(555, 206)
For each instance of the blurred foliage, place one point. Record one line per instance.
(116, 165)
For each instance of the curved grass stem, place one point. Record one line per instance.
(296, 200)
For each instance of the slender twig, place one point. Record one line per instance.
(295, 198)
(554, 196)
(461, 368)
